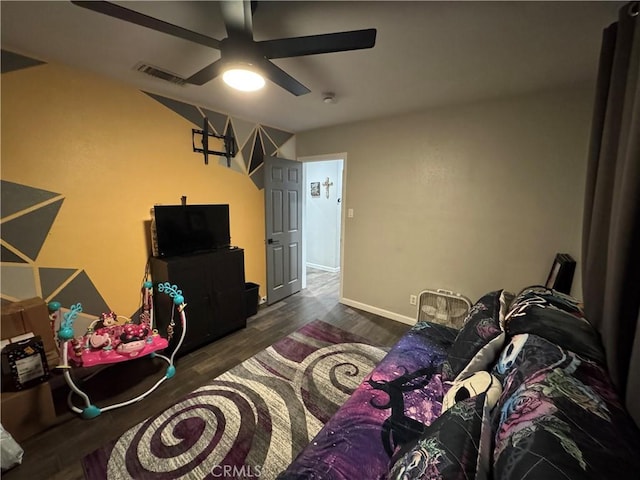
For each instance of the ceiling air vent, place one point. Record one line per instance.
(161, 74)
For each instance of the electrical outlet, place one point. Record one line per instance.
(413, 300)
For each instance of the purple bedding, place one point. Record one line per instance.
(392, 406)
(558, 417)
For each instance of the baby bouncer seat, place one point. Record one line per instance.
(112, 339)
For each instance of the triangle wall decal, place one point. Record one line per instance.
(217, 120)
(257, 176)
(186, 111)
(279, 137)
(52, 278)
(243, 129)
(28, 232)
(81, 289)
(13, 61)
(8, 256)
(257, 156)
(247, 151)
(18, 281)
(269, 146)
(15, 197)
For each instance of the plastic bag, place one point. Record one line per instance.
(10, 452)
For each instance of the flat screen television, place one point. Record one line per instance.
(188, 229)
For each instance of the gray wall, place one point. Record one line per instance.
(468, 198)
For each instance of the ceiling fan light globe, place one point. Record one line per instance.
(243, 79)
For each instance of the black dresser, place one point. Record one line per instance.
(213, 286)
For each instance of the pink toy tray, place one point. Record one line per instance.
(92, 357)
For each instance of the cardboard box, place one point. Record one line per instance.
(27, 412)
(26, 316)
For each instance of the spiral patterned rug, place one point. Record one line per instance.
(251, 421)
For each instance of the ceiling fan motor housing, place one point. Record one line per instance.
(239, 49)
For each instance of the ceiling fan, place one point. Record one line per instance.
(239, 48)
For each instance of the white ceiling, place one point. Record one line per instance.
(427, 54)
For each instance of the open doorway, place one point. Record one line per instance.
(322, 224)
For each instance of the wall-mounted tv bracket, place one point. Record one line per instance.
(229, 143)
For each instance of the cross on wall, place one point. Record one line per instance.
(327, 184)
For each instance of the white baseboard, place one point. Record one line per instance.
(323, 267)
(378, 311)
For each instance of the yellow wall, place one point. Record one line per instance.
(113, 152)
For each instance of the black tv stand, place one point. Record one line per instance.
(213, 286)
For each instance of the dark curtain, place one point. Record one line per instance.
(611, 224)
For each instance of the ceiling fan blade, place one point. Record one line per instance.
(131, 16)
(207, 74)
(238, 18)
(282, 78)
(316, 44)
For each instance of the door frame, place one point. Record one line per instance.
(325, 158)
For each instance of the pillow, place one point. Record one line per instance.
(480, 338)
(558, 318)
(456, 445)
(473, 385)
(546, 297)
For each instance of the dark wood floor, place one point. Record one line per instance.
(56, 453)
